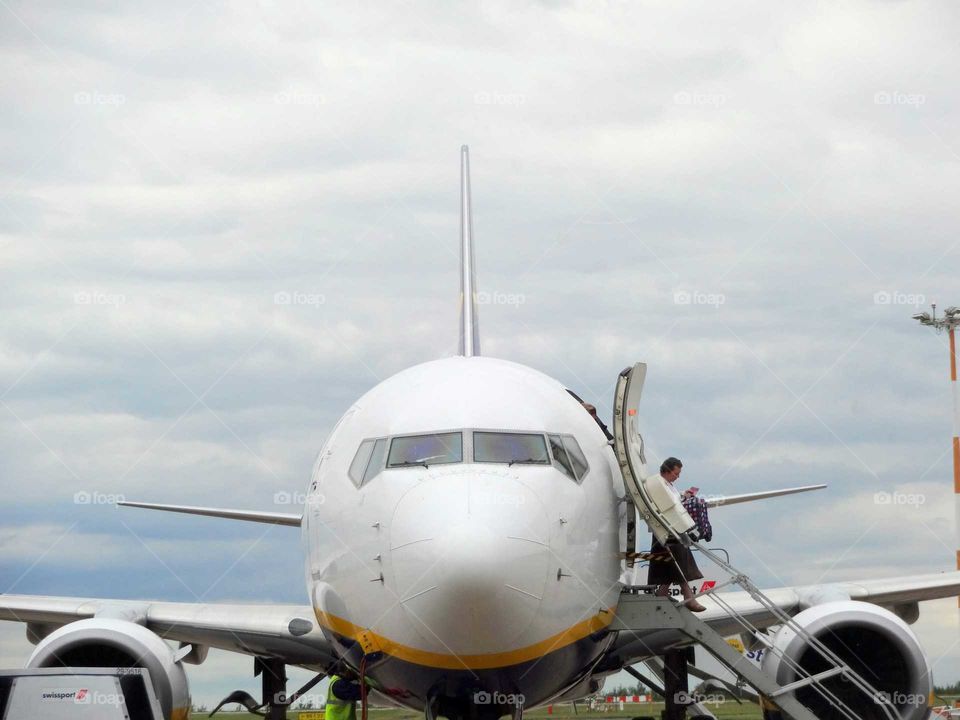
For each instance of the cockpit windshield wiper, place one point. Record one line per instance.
(408, 463)
(422, 461)
(523, 462)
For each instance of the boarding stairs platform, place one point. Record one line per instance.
(669, 521)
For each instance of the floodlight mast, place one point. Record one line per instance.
(949, 322)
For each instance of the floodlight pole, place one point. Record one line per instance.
(949, 322)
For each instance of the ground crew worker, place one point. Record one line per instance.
(342, 696)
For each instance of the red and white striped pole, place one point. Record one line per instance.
(956, 435)
(949, 322)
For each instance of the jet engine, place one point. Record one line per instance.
(102, 642)
(875, 643)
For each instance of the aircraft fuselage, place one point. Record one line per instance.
(476, 574)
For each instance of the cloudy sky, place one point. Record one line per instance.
(221, 223)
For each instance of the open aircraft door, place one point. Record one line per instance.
(655, 501)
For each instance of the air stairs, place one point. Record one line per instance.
(669, 521)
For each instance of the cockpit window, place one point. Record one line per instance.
(560, 459)
(368, 462)
(377, 457)
(510, 448)
(486, 446)
(577, 459)
(568, 458)
(360, 461)
(426, 450)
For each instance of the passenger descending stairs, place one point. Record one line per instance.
(646, 612)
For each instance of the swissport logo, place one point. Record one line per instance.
(81, 696)
(675, 592)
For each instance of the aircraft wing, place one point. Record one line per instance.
(899, 594)
(890, 593)
(720, 500)
(270, 518)
(289, 632)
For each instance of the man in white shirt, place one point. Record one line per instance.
(678, 567)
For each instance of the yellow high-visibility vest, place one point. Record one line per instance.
(336, 708)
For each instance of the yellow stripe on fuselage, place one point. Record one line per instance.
(373, 642)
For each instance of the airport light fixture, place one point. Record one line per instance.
(949, 322)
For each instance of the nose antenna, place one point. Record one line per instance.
(469, 324)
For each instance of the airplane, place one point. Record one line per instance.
(464, 533)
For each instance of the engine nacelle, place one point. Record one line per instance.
(102, 642)
(875, 643)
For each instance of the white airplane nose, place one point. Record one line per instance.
(470, 556)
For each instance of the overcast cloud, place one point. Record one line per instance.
(752, 198)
